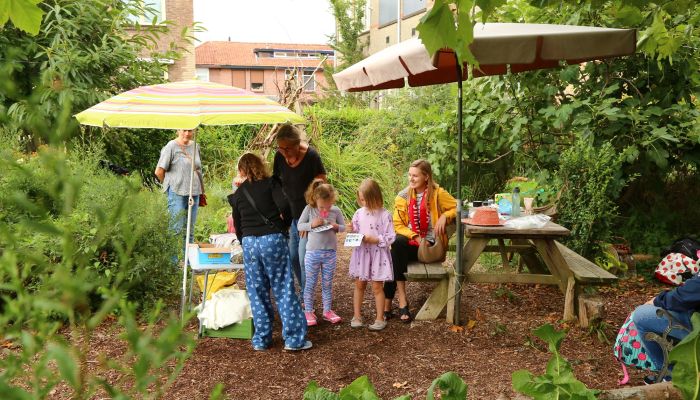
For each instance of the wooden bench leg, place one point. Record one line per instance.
(435, 303)
(570, 299)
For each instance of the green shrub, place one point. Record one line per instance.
(50, 284)
(40, 192)
(592, 182)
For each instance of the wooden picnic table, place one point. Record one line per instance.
(547, 260)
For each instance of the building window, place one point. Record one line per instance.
(387, 11)
(412, 6)
(257, 81)
(413, 32)
(387, 40)
(202, 74)
(153, 11)
(309, 81)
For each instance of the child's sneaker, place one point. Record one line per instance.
(651, 379)
(331, 317)
(307, 345)
(356, 323)
(377, 326)
(310, 318)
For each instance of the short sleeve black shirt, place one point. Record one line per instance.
(296, 180)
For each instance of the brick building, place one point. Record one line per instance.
(263, 67)
(181, 14)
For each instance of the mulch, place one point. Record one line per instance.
(494, 341)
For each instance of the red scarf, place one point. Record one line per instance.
(419, 222)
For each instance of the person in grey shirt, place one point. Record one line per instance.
(173, 170)
(322, 215)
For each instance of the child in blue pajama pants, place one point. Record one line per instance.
(266, 261)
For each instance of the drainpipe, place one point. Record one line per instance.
(398, 21)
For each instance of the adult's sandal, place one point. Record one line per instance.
(404, 311)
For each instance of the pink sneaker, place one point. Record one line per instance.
(310, 318)
(331, 317)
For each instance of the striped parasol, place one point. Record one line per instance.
(186, 105)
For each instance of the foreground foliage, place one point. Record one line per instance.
(52, 303)
(686, 356)
(558, 381)
(450, 385)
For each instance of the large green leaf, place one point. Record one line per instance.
(686, 355)
(452, 387)
(315, 392)
(437, 28)
(24, 14)
(360, 389)
(550, 335)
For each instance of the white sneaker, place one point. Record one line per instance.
(356, 323)
(377, 326)
(307, 345)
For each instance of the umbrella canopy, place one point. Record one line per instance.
(496, 46)
(499, 48)
(186, 105)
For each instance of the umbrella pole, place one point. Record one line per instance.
(190, 203)
(458, 220)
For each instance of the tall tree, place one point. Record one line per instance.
(348, 45)
(85, 51)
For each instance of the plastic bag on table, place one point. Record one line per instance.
(528, 222)
(227, 306)
(216, 282)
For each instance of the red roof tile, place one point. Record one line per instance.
(242, 54)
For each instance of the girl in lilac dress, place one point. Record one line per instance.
(371, 261)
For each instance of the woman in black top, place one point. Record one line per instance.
(260, 213)
(296, 164)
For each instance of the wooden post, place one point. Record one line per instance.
(590, 308)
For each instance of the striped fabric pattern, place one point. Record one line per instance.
(186, 105)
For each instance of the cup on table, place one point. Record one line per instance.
(528, 205)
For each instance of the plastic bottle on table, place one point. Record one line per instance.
(516, 202)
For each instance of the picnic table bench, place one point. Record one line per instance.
(547, 260)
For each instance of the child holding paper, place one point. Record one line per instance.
(371, 261)
(322, 219)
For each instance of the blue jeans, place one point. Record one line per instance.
(177, 208)
(297, 251)
(646, 320)
(266, 260)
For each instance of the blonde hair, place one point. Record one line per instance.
(319, 189)
(426, 169)
(372, 193)
(289, 133)
(253, 167)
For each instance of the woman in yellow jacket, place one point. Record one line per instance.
(421, 210)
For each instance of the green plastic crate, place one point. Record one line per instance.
(241, 330)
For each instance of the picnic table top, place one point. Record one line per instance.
(550, 230)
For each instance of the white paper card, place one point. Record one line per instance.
(322, 228)
(353, 239)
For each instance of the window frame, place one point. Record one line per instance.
(143, 20)
(391, 20)
(311, 81)
(198, 73)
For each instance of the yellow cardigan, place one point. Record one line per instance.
(448, 205)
